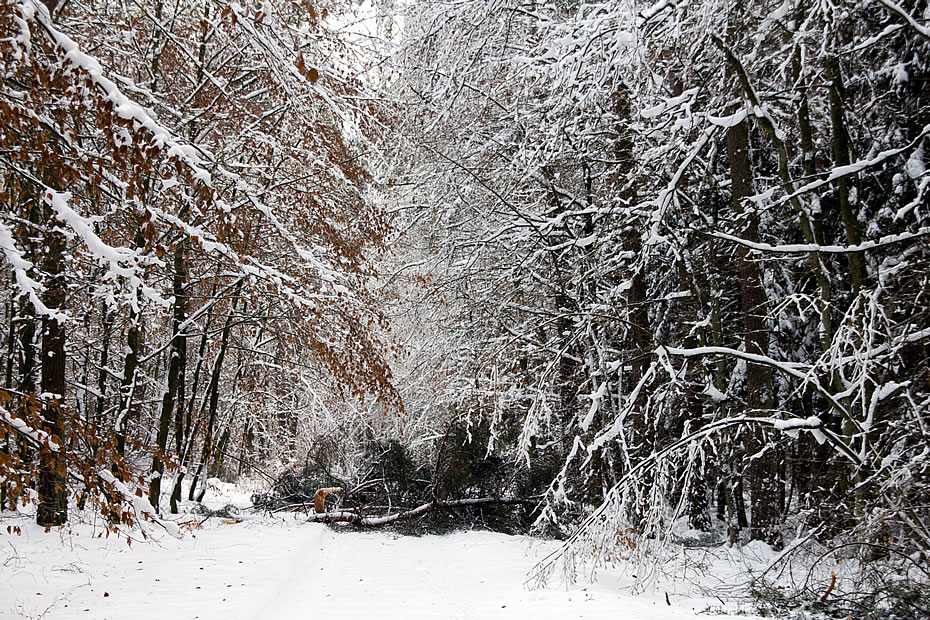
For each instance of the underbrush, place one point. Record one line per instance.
(850, 580)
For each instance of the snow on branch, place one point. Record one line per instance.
(873, 40)
(855, 167)
(666, 196)
(801, 372)
(789, 368)
(141, 506)
(36, 435)
(657, 8)
(114, 256)
(824, 249)
(808, 423)
(194, 156)
(249, 266)
(29, 287)
(619, 423)
(122, 262)
(913, 23)
(122, 105)
(576, 547)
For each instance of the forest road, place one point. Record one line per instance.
(284, 569)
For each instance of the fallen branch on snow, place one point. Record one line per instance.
(357, 519)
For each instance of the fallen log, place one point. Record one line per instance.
(357, 519)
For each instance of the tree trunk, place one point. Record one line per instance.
(763, 471)
(213, 393)
(107, 323)
(53, 473)
(191, 429)
(841, 158)
(178, 344)
(179, 426)
(8, 376)
(127, 384)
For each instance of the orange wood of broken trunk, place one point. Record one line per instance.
(320, 498)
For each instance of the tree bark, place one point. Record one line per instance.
(190, 429)
(213, 393)
(841, 158)
(53, 468)
(128, 383)
(107, 324)
(763, 471)
(178, 344)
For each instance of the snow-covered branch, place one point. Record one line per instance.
(791, 369)
(803, 248)
(37, 436)
(144, 511)
(901, 12)
(26, 285)
(125, 107)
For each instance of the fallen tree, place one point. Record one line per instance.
(460, 486)
(356, 518)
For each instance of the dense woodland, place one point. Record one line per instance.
(651, 272)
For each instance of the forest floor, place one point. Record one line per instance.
(281, 567)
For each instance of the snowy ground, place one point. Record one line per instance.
(284, 568)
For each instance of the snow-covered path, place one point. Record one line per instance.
(271, 569)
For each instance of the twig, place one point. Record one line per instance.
(823, 599)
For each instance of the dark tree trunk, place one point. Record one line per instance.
(8, 377)
(763, 470)
(190, 429)
(128, 384)
(179, 426)
(53, 473)
(841, 157)
(107, 324)
(213, 393)
(128, 407)
(178, 344)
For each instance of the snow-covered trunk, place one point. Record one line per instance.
(128, 407)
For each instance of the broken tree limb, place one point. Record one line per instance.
(320, 498)
(357, 519)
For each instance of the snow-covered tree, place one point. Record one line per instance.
(204, 183)
(676, 242)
